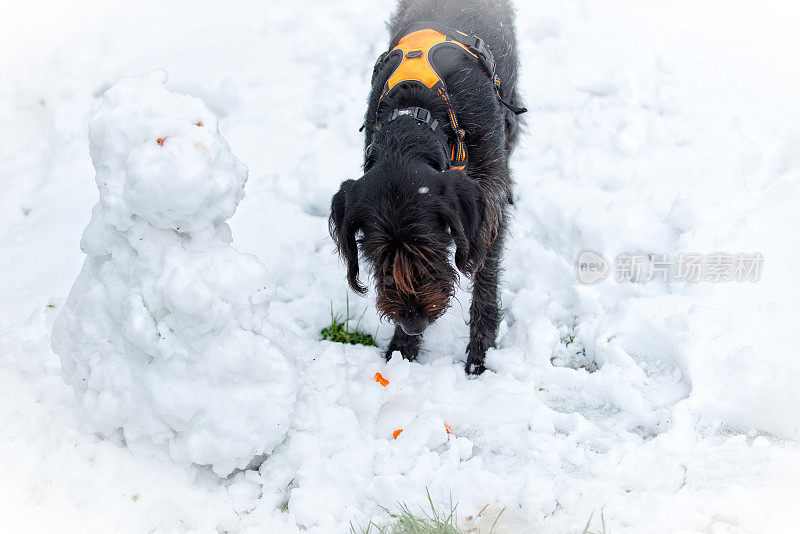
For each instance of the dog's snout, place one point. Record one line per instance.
(414, 325)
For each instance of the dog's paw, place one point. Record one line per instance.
(474, 369)
(407, 345)
(407, 352)
(474, 366)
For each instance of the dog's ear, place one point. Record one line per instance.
(463, 212)
(343, 225)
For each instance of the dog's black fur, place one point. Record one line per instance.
(404, 230)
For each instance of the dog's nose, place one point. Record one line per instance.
(414, 325)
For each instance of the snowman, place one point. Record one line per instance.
(165, 334)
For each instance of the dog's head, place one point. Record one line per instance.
(404, 221)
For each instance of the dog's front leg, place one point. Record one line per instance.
(484, 312)
(406, 344)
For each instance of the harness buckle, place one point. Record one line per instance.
(417, 113)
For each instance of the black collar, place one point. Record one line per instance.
(423, 116)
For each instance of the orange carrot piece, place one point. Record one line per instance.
(161, 140)
(380, 380)
(397, 433)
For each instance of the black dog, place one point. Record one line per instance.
(440, 126)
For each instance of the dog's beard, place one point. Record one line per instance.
(417, 279)
(430, 297)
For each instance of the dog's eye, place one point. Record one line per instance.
(388, 280)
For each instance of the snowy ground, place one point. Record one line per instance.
(653, 128)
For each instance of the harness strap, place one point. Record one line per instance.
(416, 66)
(415, 45)
(474, 45)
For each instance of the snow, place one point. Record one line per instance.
(670, 406)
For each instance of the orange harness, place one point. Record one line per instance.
(417, 65)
